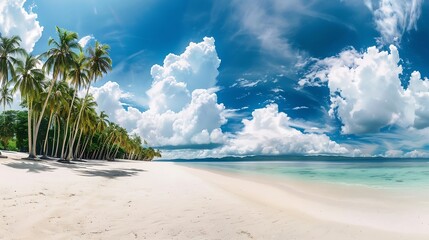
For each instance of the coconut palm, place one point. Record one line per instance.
(99, 63)
(6, 96)
(10, 50)
(29, 81)
(88, 121)
(78, 76)
(102, 123)
(59, 58)
(5, 99)
(57, 99)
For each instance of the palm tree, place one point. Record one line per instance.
(89, 116)
(56, 101)
(6, 96)
(59, 59)
(78, 75)
(9, 51)
(5, 99)
(29, 82)
(99, 63)
(102, 123)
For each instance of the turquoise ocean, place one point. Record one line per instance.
(399, 174)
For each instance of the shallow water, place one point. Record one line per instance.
(394, 174)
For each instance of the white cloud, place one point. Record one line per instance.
(183, 107)
(268, 132)
(366, 92)
(15, 20)
(394, 153)
(394, 17)
(246, 83)
(416, 154)
(83, 41)
(184, 110)
(300, 107)
(402, 154)
(271, 132)
(197, 123)
(265, 21)
(174, 82)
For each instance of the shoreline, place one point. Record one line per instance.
(358, 205)
(158, 200)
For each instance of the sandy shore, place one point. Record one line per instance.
(157, 200)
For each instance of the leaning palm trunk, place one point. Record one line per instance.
(32, 151)
(84, 146)
(117, 149)
(34, 133)
(112, 149)
(78, 143)
(53, 137)
(102, 148)
(67, 153)
(100, 153)
(58, 137)
(45, 144)
(67, 125)
(78, 146)
(29, 128)
(78, 120)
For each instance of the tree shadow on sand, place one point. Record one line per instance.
(111, 174)
(33, 167)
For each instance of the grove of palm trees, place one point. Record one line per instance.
(57, 123)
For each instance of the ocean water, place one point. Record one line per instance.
(411, 174)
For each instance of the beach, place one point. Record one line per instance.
(164, 200)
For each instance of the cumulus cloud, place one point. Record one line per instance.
(402, 154)
(268, 132)
(394, 17)
(83, 41)
(15, 20)
(184, 110)
(271, 132)
(366, 92)
(183, 105)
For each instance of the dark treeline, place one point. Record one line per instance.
(58, 123)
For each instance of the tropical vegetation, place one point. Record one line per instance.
(57, 123)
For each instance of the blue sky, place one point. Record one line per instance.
(272, 77)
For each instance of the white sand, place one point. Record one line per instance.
(141, 200)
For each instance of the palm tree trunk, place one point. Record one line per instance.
(84, 146)
(116, 152)
(34, 134)
(78, 142)
(29, 128)
(42, 112)
(112, 149)
(45, 144)
(67, 125)
(78, 120)
(53, 137)
(102, 149)
(69, 153)
(58, 137)
(4, 109)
